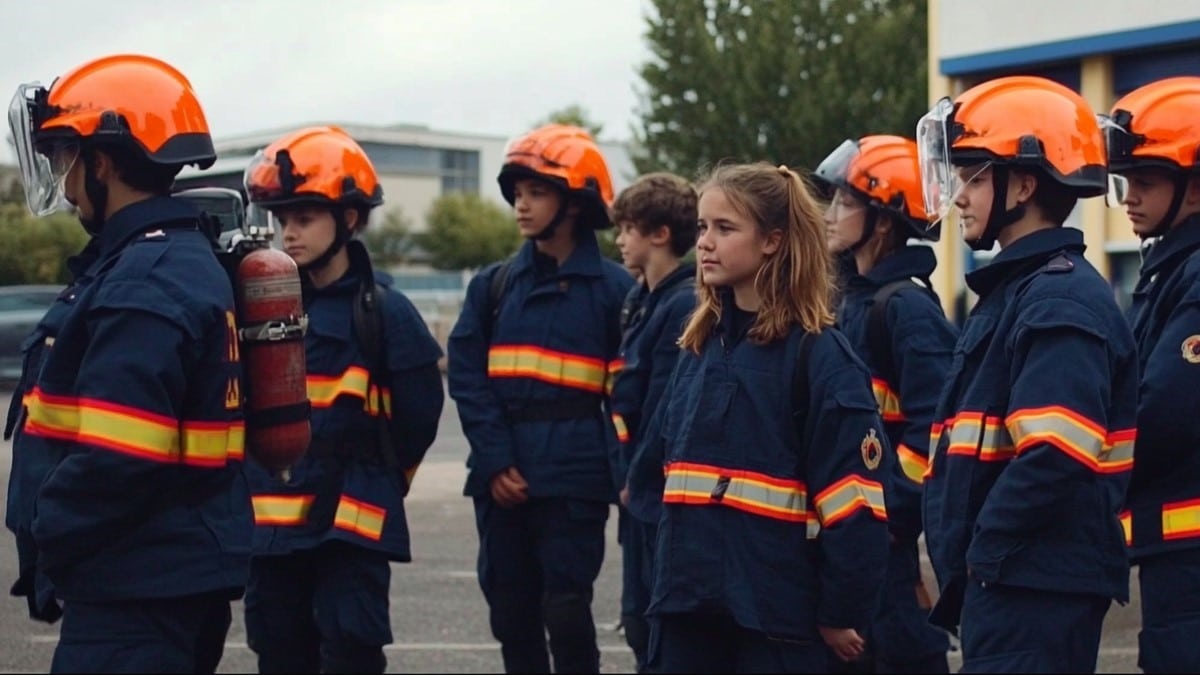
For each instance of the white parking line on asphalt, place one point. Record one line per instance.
(491, 646)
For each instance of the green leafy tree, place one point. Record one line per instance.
(391, 240)
(784, 82)
(35, 250)
(467, 231)
(576, 115)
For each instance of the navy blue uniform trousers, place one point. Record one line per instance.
(171, 635)
(1056, 633)
(320, 610)
(538, 562)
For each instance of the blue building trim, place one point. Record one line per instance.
(1074, 48)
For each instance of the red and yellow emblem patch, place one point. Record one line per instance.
(1191, 349)
(872, 450)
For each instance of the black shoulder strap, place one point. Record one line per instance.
(368, 329)
(879, 337)
(497, 288)
(801, 404)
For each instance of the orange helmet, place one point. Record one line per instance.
(1156, 125)
(316, 164)
(561, 154)
(883, 172)
(127, 98)
(1019, 121)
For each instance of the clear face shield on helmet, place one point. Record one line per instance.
(44, 166)
(261, 181)
(1118, 145)
(939, 182)
(835, 168)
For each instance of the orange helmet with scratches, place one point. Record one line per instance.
(1026, 121)
(122, 98)
(321, 165)
(564, 155)
(883, 171)
(1157, 124)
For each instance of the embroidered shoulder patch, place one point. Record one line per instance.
(872, 450)
(1191, 349)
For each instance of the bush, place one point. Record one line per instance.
(35, 250)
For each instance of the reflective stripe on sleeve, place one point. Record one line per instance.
(1079, 437)
(841, 499)
(132, 431)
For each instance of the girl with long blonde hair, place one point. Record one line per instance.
(773, 535)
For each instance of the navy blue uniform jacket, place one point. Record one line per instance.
(557, 336)
(922, 347)
(1034, 443)
(344, 489)
(127, 480)
(782, 532)
(1164, 493)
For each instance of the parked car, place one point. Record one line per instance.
(21, 307)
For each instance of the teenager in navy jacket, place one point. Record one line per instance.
(531, 371)
(772, 544)
(1153, 139)
(907, 343)
(656, 219)
(1033, 442)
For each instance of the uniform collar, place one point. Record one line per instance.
(1179, 242)
(139, 217)
(680, 275)
(585, 260)
(1032, 248)
(908, 262)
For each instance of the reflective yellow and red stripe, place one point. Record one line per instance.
(842, 499)
(619, 425)
(912, 463)
(1127, 525)
(1181, 520)
(887, 399)
(974, 434)
(323, 390)
(757, 493)
(359, 517)
(352, 515)
(560, 368)
(133, 431)
(614, 368)
(1079, 437)
(284, 510)
(935, 438)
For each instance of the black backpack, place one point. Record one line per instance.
(879, 337)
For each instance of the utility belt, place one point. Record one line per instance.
(550, 410)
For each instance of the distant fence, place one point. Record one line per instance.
(438, 296)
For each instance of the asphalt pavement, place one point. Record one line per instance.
(439, 617)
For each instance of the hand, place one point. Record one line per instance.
(845, 642)
(625, 496)
(509, 487)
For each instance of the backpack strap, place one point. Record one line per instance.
(801, 405)
(498, 286)
(879, 335)
(368, 330)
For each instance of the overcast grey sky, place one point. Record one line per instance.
(488, 66)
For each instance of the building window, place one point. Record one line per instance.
(1066, 74)
(393, 158)
(460, 171)
(1131, 71)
